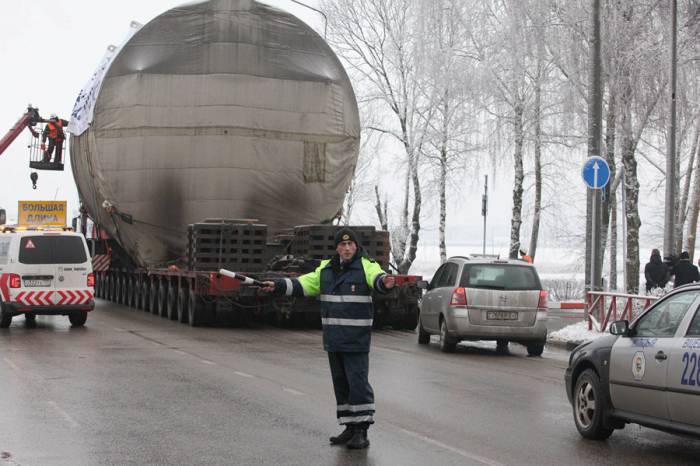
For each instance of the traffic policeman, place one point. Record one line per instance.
(344, 285)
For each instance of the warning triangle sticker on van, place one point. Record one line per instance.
(29, 245)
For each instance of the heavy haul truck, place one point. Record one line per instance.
(222, 109)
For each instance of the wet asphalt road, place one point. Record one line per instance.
(133, 388)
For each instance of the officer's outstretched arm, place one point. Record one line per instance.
(306, 285)
(376, 278)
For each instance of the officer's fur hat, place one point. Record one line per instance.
(345, 234)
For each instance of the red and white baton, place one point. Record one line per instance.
(243, 278)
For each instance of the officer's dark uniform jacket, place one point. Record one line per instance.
(346, 315)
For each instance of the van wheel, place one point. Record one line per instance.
(5, 318)
(77, 319)
(447, 343)
(535, 349)
(590, 408)
(423, 336)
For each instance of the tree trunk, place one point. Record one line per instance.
(412, 243)
(516, 220)
(682, 213)
(381, 210)
(610, 195)
(631, 187)
(694, 207)
(443, 178)
(538, 171)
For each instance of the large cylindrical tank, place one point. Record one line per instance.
(216, 109)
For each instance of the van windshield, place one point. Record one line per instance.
(508, 277)
(52, 250)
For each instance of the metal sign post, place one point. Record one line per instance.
(596, 174)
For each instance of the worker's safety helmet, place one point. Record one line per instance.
(53, 116)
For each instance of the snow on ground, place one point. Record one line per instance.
(575, 333)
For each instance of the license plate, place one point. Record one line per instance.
(501, 315)
(35, 282)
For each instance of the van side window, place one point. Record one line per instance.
(5, 250)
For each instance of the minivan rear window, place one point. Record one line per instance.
(500, 277)
(52, 250)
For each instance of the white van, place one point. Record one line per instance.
(44, 271)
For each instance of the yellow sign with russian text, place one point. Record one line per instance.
(51, 213)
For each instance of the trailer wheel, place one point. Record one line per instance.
(183, 303)
(196, 310)
(138, 292)
(163, 298)
(125, 290)
(153, 296)
(172, 301)
(410, 318)
(107, 285)
(98, 284)
(146, 294)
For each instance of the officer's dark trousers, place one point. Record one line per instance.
(353, 392)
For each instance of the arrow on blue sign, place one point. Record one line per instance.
(595, 172)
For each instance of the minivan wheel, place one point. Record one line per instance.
(590, 408)
(78, 318)
(535, 349)
(30, 319)
(447, 343)
(5, 318)
(423, 336)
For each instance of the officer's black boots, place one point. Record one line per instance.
(359, 438)
(344, 436)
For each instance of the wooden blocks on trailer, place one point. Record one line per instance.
(316, 242)
(232, 244)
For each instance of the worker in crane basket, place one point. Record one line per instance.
(344, 284)
(53, 131)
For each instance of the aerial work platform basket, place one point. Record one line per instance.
(39, 159)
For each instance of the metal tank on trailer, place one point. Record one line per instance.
(214, 109)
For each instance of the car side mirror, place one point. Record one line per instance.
(3, 217)
(620, 327)
(423, 284)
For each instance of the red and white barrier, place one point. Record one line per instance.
(567, 305)
(101, 262)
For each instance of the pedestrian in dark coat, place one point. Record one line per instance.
(655, 271)
(684, 271)
(344, 285)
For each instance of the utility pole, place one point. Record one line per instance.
(484, 209)
(595, 118)
(669, 207)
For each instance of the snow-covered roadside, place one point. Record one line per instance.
(574, 334)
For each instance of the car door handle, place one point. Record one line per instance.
(660, 356)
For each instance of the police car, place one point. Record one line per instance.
(647, 372)
(44, 271)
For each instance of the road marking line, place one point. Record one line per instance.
(180, 352)
(463, 453)
(205, 361)
(11, 364)
(292, 391)
(65, 415)
(243, 374)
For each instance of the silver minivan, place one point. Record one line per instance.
(475, 298)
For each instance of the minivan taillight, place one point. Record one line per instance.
(15, 281)
(459, 297)
(91, 279)
(542, 303)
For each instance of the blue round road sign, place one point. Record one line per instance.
(595, 172)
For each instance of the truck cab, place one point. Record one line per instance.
(44, 271)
